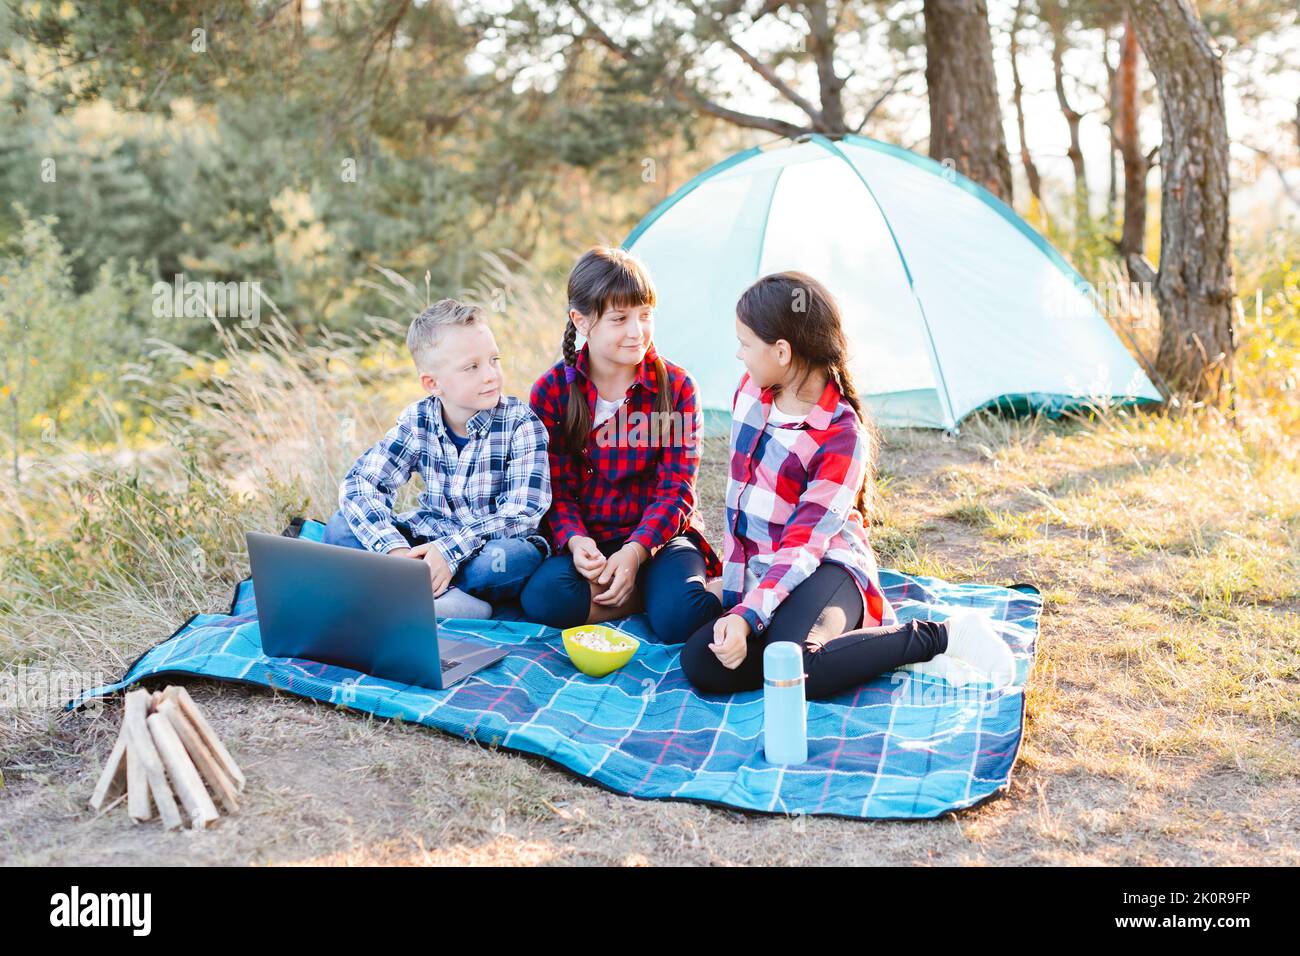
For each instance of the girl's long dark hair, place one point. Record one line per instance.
(796, 307)
(605, 277)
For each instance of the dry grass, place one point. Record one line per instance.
(1163, 713)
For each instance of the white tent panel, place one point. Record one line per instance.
(949, 300)
(888, 347)
(1006, 320)
(701, 254)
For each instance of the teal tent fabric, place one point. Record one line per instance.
(951, 301)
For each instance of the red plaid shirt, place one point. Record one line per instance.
(629, 483)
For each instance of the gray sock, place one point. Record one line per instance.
(454, 602)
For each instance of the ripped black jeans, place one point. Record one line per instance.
(822, 615)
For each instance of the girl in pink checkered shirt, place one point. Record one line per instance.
(797, 564)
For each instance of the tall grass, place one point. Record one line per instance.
(1262, 399)
(105, 549)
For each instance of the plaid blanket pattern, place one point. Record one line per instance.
(905, 746)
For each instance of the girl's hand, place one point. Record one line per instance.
(586, 557)
(730, 640)
(620, 574)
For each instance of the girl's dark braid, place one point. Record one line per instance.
(577, 418)
(866, 501)
(569, 345)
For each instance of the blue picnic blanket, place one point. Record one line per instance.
(904, 746)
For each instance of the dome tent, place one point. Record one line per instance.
(951, 302)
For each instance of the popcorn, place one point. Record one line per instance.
(597, 641)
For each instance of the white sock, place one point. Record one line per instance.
(971, 639)
(954, 671)
(454, 602)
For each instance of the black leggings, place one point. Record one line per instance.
(671, 583)
(818, 615)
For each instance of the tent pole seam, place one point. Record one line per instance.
(767, 215)
(911, 286)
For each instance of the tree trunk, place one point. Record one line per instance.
(965, 116)
(1194, 287)
(821, 46)
(1018, 97)
(1136, 163)
(1052, 13)
(1112, 121)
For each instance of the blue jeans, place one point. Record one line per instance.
(671, 583)
(496, 573)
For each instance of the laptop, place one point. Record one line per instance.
(370, 612)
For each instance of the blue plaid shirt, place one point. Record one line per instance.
(499, 486)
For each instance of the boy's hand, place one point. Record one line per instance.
(730, 640)
(620, 574)
(439, 571)
(586, 557)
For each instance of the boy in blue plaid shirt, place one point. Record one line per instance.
(482, 456)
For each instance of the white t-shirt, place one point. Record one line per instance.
(605, 410)
(777, 417)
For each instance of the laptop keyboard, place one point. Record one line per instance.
(448, 664)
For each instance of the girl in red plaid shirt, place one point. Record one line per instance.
(625, 427)
(798, 564)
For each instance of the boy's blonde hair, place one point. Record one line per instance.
(427, 328)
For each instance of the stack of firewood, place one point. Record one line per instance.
(167, 749)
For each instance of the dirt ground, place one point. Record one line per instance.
(1136, 751)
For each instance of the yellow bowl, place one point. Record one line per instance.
(596, 663)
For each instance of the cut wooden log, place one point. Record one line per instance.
(165, 750)
(204, 760)
(113, 779)
(185, 779)
(191, 711)
(139, 804)
(140, 740)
